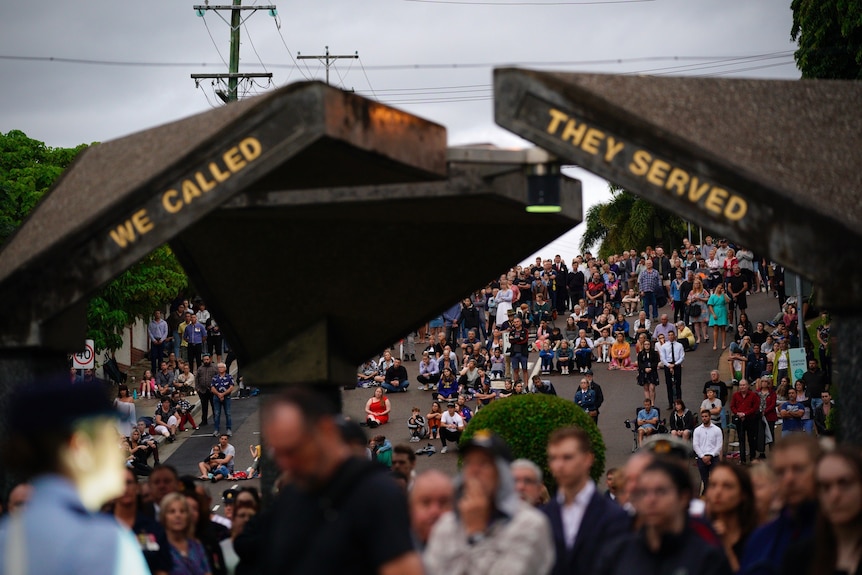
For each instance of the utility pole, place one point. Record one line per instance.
(233, 76)
(327, 59)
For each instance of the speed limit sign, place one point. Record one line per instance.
(85, 359)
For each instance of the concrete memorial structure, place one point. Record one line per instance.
(306, 218)
(775, 165)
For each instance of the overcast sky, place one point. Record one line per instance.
(432, 58)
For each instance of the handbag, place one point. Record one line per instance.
(694, 309)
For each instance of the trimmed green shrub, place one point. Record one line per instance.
(524, 422)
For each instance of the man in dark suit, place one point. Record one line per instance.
(582, 520)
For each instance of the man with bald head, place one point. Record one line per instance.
(432, 495)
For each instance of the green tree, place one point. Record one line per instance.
(524, 422)
(627, 221)
(829, 33)
(28, 169)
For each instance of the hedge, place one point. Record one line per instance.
(526, 421)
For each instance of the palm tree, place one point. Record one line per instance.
(628, 221)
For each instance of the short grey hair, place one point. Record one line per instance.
(527, 464)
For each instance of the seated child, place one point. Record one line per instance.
(498, 364)
(417, 426)
(381, 449)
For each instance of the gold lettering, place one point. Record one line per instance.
(233, 160)
(640, 163)
(217, 173)
(658, 172)
(250, 148)
(557, 118)
(124, 234)
(715, 201)
(592, 140)
(573, 132)
(190, 191)
(614, 148)
(736, 208)
(695, 191)
(677, 180)
(204, 184)
(142, 221)
(170, 202)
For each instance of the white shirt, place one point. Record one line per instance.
(573, 513)
(455, 418)
(707, 440)
(678, 353)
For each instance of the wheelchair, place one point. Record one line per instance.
(632, 425)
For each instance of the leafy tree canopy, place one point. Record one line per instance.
(28, 169)
(627, 222)
(829, 33)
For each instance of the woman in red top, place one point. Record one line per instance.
(377, 409)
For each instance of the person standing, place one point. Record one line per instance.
(745, 407)
(203, 384)
(71, 452)
(195, 336)
(707, 442)
(493, 531)
(672, 355)
(174, 320)
(649, 282)
(221, 387)
(158, 334)
(582, 520)
(793, 460)
(319, 521)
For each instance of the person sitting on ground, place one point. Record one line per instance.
(381, 449)
(377, 408)
(541, 386)
(484, 396)
(429, 372)
(185, 381)
(434, 417)
(367, 373)
(463, 409)
(498, 364)
(583, 356)
(621, 325)
(507, 391)
(603, 346)
(417, 426)
(647, 421)
(225, 463)
(713, 405)
(685, 336)
(631, 302)
(166, 419)
(184, 410)
(682, 421)
(164, 381)
(147, 439)
(621, 354)
(546, 357)
(210, 464)
(396, 378)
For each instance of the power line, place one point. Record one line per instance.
(361, 65)
(561, 63)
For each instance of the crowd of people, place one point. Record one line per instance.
(340, 490)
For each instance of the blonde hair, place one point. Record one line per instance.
(169, 500)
